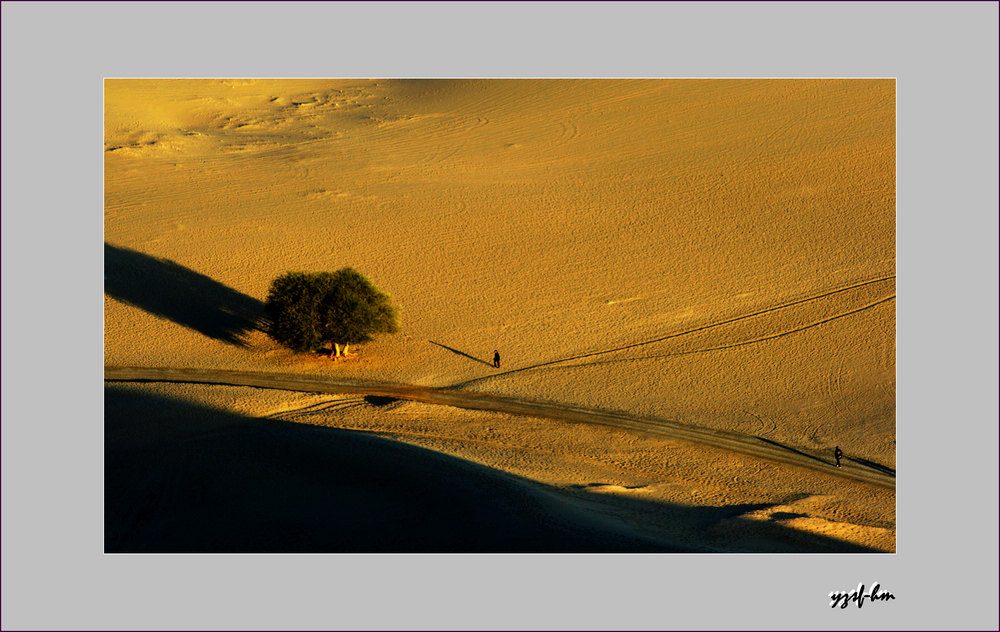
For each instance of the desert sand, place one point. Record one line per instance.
(717, 253)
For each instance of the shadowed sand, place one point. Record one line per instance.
(169, 290)
(182, 477)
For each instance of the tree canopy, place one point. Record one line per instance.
(308, 310)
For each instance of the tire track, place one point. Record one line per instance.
(707, 327)
(835, 388)
(780, 334)
(745, 444)
(814, 434)
(319, 407)
(766, 427)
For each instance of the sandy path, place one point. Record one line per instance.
(859, 470)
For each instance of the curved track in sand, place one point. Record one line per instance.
(714, 325)
(753, 446)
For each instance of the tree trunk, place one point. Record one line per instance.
(345, 349)
(336, 350)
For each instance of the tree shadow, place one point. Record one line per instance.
(169, 290)
(184, 477)
(461, 353)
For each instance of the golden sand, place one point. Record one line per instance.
(715, 252)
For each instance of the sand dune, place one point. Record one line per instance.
(720, 253)
(183, 476)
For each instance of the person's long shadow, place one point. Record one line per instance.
(169, 290)
(461, 353)
(864, 462)
(791, 449)
(885, 469)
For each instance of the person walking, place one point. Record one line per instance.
(837, 453)
(496, 358)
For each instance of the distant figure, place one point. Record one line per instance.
(837, 453)
(496, 358)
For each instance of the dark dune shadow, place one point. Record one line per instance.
(169, 290)
(182, 477)
(461, 353)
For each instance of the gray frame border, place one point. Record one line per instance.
(54, 57)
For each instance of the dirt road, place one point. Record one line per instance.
(873, 474)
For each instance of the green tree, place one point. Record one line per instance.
(309, 310)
